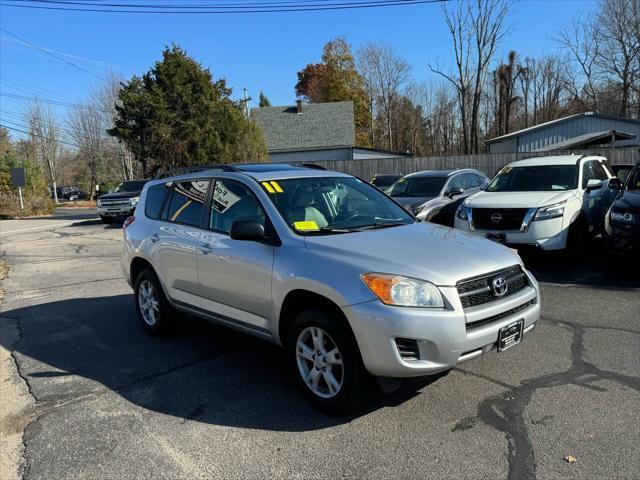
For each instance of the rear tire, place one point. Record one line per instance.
(326, 362)
(153, 309)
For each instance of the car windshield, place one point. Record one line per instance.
(417, 187)
(326, 205)
(539, 178)
(633, 182)
(135, 186)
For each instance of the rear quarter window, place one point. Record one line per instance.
(155, 200)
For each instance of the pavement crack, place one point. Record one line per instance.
(505, 412)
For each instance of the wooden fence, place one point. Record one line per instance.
(489, 163)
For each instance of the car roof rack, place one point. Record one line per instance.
(194, 169)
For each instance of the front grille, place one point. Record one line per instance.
(498, 218)
(500, 316)
(408, 349)
(478, 290)
(110, 203)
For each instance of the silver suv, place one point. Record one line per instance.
(328, 267)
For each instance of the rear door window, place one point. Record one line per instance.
(185, 205)
(155, 200)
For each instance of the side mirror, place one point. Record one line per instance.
(615, 183)
(247, 230)
(455, 191)
(594, 184)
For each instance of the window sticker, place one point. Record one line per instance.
(277, 187)
(506, 169)
(195, 191)
(223, 198)
(308, 226)
(268, 187)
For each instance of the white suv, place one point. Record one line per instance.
(548, 202)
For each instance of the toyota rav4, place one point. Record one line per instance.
(330, 268)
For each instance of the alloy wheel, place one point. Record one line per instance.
(148, 302)
(319, 362)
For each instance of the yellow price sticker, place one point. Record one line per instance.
(267, 186)
(308, 226)
(276, 186)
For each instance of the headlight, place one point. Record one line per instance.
(133, 201)
(403, 291)
(462, 212)
(623, 217)
(552, 211)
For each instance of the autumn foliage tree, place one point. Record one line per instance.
(336, 79)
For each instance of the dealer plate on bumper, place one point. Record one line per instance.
(510, 335)
(497, 237)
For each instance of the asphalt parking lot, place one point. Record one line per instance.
(108, 401)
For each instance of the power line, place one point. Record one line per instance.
(51, 54)
(271, 8)
(51, 101)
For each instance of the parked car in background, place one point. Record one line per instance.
(330, 268)
(70, 193)
(621, 171)
(384, 180)
(622, 221)
(121, 202)
(551, 203)
(434, 195)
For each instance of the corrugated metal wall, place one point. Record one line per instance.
(558, 132)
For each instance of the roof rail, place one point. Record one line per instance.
(194, 169)
(314, 166)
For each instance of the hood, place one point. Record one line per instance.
(412, 202)
(108, 196)
(517, 199)
(440, 255)
(628, 200)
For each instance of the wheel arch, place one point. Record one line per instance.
(297, 301)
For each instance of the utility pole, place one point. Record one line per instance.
(246, 103)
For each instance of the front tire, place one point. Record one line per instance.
(106, 220)
(153, 309)
(577, 237)
(326, 362)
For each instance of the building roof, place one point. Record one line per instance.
(587, 140)
(560, 120)
(319, 125)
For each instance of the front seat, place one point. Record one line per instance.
(302, 210)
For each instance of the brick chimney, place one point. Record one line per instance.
(298, 106)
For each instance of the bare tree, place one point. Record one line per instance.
(388, 73)
(582, 40)
(44, 135)
(105, 98)
(476, 28)
(619, 50)
(87, 129)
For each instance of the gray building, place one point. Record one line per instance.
(576, 132)
(313, 131)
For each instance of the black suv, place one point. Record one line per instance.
(121, 202)
(622, 222)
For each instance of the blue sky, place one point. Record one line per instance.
(254, 51)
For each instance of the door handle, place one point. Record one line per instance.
(154, 238)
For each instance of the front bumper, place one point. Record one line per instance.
(442, 336)
(622, 239)
(544, 234)
(118, 211)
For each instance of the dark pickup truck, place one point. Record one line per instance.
(120, 203)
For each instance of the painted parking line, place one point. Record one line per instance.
(40, 227)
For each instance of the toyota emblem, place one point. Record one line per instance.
(496, 217)
(499, 286)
